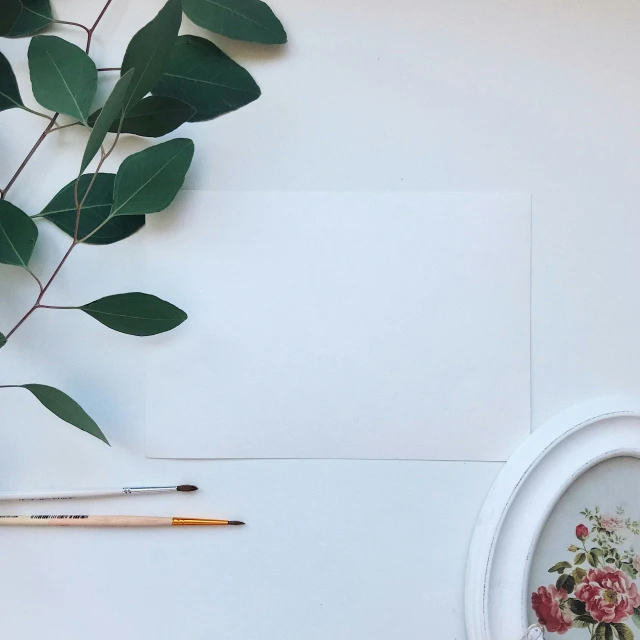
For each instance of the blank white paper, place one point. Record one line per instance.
(341, 325)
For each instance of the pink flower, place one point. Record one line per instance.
(608, 594)
(550, 605)
(582, 533)
(610, 523)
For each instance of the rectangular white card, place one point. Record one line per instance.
(341, 325)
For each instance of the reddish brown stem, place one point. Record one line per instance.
(73, 24)
(96, 23)
(30, 155)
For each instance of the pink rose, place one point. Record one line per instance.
(550, 605)
(608, 594)
(610, 523)
(582, 533)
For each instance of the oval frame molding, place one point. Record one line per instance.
(520, 501)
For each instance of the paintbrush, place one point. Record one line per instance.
(108, 521)
(92, 493)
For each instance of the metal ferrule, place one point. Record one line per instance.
(197, 521)
(129, 490)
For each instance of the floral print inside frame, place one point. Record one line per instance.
(596, 588)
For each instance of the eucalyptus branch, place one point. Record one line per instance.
(52, 122)
(50, 127)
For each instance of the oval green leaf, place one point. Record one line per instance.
(9, 13)
(149, 180)
(9, 92)
(567, 582)
(63, 77)
(35, 16)
(249, 20)
(577, 606)
(138, 314)
(65, 408)
(3, 340)
(202, 75)
(111, 110)
(149, 50)
(560, 567)
(62, 211)
(636, 617)
(624, 633)
(153, 117)
(18, 235)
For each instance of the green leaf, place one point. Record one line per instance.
(149, 51)
(35, 16)
(95, 210)
(577, 606)
(583, 621)
(250, 20)
(624, 633)
(578, 573)
(109, 113)
(65, 408)
(149, 180)
(560, 567)
(203, 76)
(9, 12)
(3, 340)
(636, 617)
(580, 558)
(64, 78)
(153, 117)
(566, 581)
(592, 560)
(138, 314)
(18, 235)
(9, 92)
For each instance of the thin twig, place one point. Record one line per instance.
(73, 24)
(36, 113)
(64, 126)
(39, 141)
(35, 277)
(96, 23)
(50, 306)
(109, 69)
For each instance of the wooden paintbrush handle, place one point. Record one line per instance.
(85, 521)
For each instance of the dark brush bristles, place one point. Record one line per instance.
(235, 522)
(187, 487)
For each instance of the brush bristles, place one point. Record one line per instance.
(187, 487)
(235, 522)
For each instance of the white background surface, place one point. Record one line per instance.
(342, 325)
(534, 96)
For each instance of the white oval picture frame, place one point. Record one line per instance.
(536, 476)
